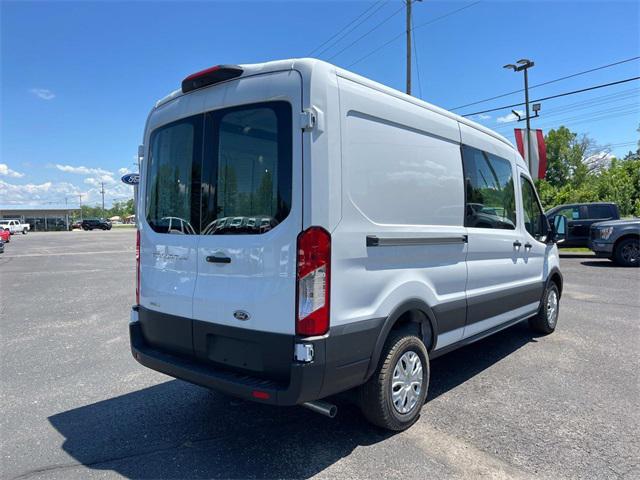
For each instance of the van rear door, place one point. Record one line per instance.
(251, 217)
(168, 210)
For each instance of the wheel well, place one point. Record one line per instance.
(557, 279)
(624, 237)
(416, 321)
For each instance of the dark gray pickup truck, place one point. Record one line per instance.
(580, 217)
(618, 240)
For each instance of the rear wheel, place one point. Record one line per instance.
(394, 395)
(627, 252)
(546, 319)
(24, 231)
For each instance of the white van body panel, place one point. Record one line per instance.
(391, 149)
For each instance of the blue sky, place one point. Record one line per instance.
(79, 78)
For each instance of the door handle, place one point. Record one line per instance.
(215, 259)
(517, 244)
(527, 246)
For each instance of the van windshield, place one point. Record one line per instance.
(223, 172)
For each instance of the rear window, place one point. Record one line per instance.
(223, 172)
(600, 211)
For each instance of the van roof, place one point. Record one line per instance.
(313, 66)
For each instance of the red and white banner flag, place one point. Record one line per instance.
(538, 162)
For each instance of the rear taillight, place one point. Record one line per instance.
(313, 282)
(137, 267)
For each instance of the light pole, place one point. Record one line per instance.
(524, 65)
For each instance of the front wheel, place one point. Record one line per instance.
(546, 319)
(394, 395)
(627, 253)
(24, 231)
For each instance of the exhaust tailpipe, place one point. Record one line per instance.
(323, 408)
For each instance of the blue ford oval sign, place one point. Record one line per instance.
(131, 178)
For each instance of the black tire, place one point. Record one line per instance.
(375, 396)
(627, 252)
(546, 319)
(24, 232)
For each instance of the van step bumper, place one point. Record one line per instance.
(305, 380)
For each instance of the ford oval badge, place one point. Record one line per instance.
(241, 315)
(131, 178)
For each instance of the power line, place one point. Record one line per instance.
(593, 119)
(602, 100)
(453, 12)
(554, 96)
(560, 112)
(379, 3)
(621, 109)
(547, 83)
(378, 25)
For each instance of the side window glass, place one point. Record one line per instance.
(570, 213)
(599, 211)
(490, 192)
(531, 209)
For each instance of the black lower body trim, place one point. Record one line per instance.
(304, 380)
(238, 360)
(496, 303)
(478, 336)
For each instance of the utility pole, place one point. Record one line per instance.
(66, 207)
(409, 30)
(102, 192)
(408, 8)
(80, 197)
(524, 65)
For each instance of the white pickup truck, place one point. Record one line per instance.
(15, 226)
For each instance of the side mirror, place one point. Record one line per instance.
(559, 233)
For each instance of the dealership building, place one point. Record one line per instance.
(45, 219)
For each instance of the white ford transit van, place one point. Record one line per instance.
(304, 231)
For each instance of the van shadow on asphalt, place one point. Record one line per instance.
(604, 263)
(177, 430)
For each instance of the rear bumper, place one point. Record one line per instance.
(289, 383)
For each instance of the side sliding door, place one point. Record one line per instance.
(497, 291)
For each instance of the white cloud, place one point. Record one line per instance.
(97, 181)
(123, 171)
(36, 193)
(7, 172)
(484, 116)
(41, 194)
(510, 118)
(43, 93)
(80, 170)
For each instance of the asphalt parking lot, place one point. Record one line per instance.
(76, 405)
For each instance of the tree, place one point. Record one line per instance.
(580, 170)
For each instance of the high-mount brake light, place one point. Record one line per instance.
(313, 275)
(210, 76)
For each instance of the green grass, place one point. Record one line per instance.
(575, 250)
(124, 225)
